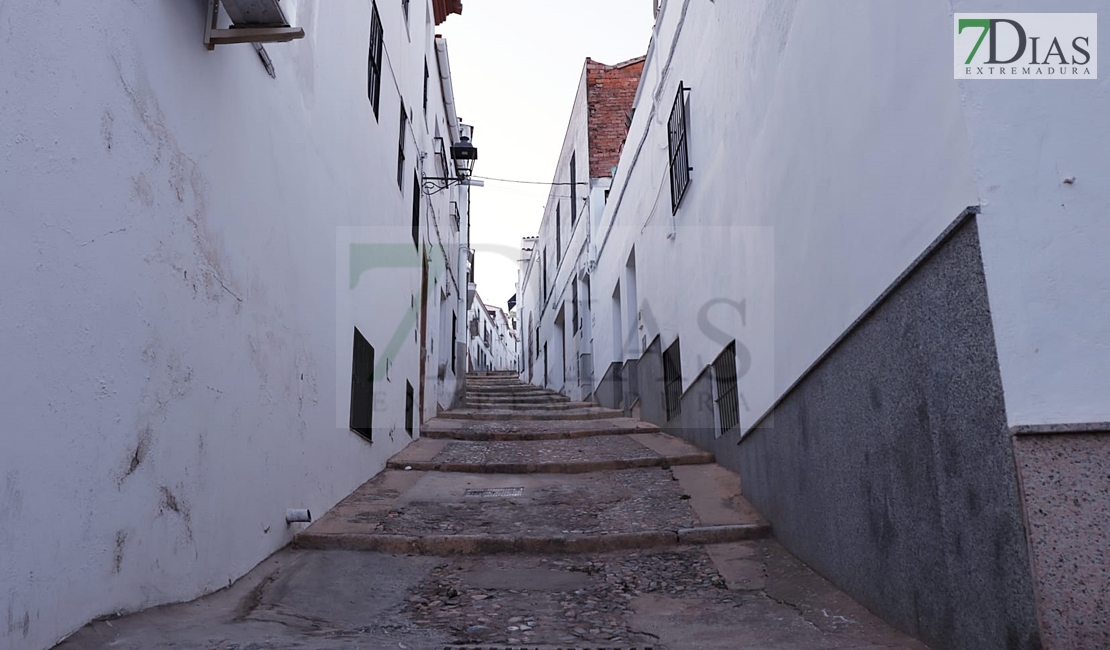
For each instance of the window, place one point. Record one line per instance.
(416, 210)
(426, 76)
(573, 188)
(574, 307)
(374, 74)
(728, 401)
(401, 149)
(454, 342)
(545, 277)
(545, 363)
(677, 141)
(408, 407)
(672, 380)
(362, 386)
(558, 231)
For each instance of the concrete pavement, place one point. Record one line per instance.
(587, 530)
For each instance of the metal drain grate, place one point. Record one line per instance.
(496, 492)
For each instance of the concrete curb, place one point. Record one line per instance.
(509, 544)
(582, 467)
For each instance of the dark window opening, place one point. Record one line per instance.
(454, 342)
(545, 277)
(401, 150)
(362, 386)
(545, 363)
(574, 306)
(405, 8)
(573, 188)
(416, 210)
(558, 231)
(409, 403)
(677, 147)
(672, 380)
(374, 66)
(728, 400)
(426, 76)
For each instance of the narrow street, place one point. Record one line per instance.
(524, 520)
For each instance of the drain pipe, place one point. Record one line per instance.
(298, 516)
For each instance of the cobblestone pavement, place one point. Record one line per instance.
(578, 549)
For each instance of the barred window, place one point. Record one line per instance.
(362, 386)
(573, 188)
(409, 404)
(374, 66)
(728, 399)
(401, 149)
(416, 194)
(672, 380)
(677, 146)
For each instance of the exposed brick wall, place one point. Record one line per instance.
(610, 91)
(444, 8)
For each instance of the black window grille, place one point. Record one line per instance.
(573, 188)
(672, 380)
(454, 342)
(574, 306)
(401, 149)
(416, 210)
(545, 276)
(728, 399)
(677, 146)
(409, 404)
(558, 231)
(441, 158)
(374, 66)
(427, 75)
(362, 386)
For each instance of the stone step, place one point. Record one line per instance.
(479, 430)
(592, 413)
(529, 406)
(522, 389)
(446, 513)
(538, 398)
(550, 457)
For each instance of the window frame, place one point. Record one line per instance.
(362, 387)
(678, 149)
(726, 393)
(374, 59)
(672, 380)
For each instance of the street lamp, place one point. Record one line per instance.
(464, 154)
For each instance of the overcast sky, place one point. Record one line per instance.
(515, 66)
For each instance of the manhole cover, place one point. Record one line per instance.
(496, 492)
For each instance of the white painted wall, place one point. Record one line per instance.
(828, 149)
(500, 353)
(564, 265)
(1044, 241)
(178, 322)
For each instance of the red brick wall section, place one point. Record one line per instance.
(610, 90)
(444, 8)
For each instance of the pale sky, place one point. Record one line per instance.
(515, 66)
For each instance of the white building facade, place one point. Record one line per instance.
(871, 290)
(493, 345)
(227, 262)
(554, 292)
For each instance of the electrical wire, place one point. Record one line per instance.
(509, 180)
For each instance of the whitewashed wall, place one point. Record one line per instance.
(562, 267)
(828, 149)
(1044, 241)
(177, 329)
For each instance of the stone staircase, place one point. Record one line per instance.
(521, 469)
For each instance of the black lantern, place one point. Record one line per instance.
(464, 154)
